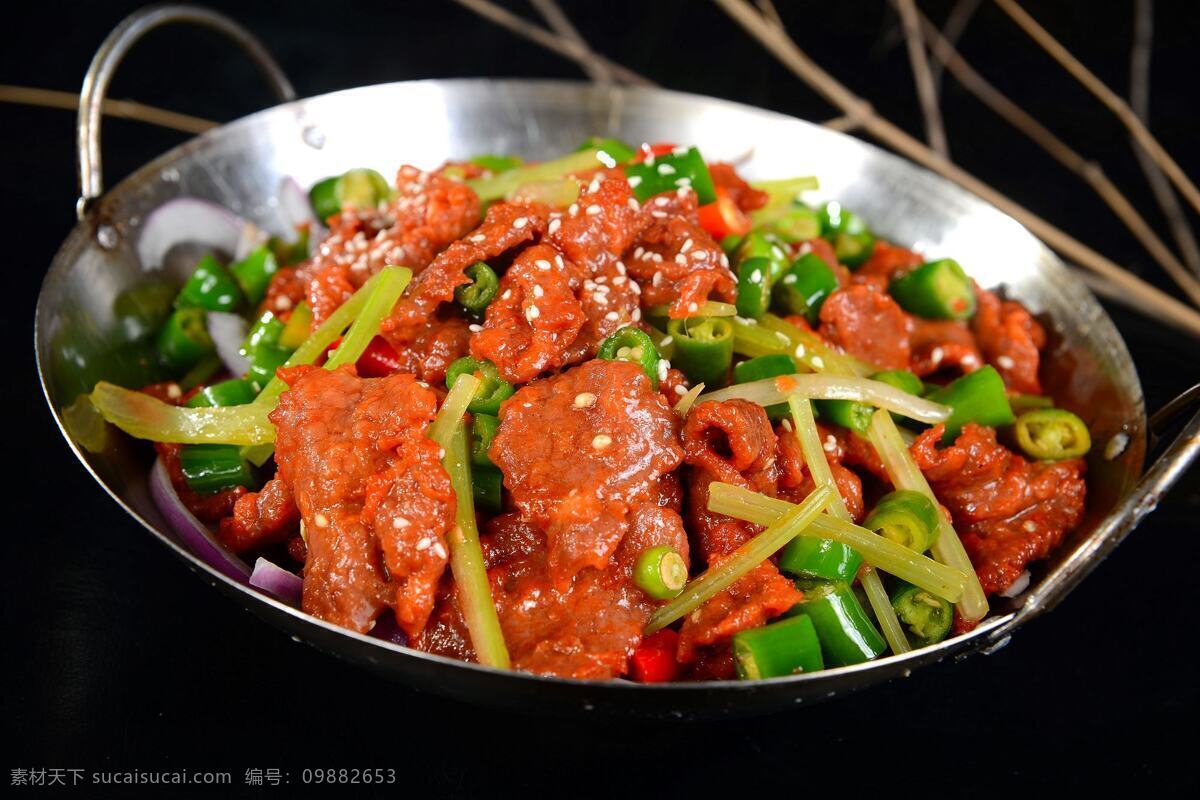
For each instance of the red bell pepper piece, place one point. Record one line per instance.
(654, 660)
(722, 217)
(378, 360)
(657, 149)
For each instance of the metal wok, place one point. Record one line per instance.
(240, 166)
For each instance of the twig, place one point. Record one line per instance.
(770, 12)
(1107, 96)
(935, 132)
(1165, 307)
(124, 109)
(561, 24)
(1089, 171)
(1139, 101)
(575, 51)
(956, 24)
(841, 124)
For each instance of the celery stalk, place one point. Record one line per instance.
(829, 386)
(146, 417)
(506, 183)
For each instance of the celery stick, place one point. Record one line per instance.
(146, 417)
(504, 184)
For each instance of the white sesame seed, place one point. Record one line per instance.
(658, 214)
(656, 280)
(620, 267)
(612, 316)
(683, 183)
(789, 279)
(635, 181)
(681, 390)
(687, 245)
(693, 307)
(633, 287)
(507, 294)
(1029, 525)
(599, 299)
(818, 362)
(1005, 362)
(633, 204)
(594, 186)
(479, 237)
(585, 400)
(756, 276)
(641, 251)
(663, 366)
(424, 543)
(681, 259)
(636, 314)
(778, 253)
(786, 425)
(538, 291)
(593, 210)
(700, 255)
(830, 445)
(617, 281)
(601, 441)
(474, 327)
(520, 222)
(400, 522)
(558, 260)
(601, 279)
(555, 224)
(321, 521)
(936, 355)
(665, 169)
(439, 550)
(283, 303)
(666, 341)
(661, 201)
(542, 264)
(532, 313)
(800, 350)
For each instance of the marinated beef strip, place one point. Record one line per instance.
(675, 260)
(1010, 339)
(943, 346)
(1008, 511)
(795, 482)
(887, 261)
(744, 196)
(370, 487)
(732, 442)
(588, 457)
(428, 213)
(866, 322)
(268, 516)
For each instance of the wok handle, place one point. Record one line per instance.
(1144, 498)
(108, 58)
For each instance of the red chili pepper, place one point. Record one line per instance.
(657, 149)
(654, 660)
(722, 217)
(378, 360)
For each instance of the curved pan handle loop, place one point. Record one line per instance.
(108, 58)
(1144, 498)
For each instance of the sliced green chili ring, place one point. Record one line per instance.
(758, 244)
(487, 487)
(635, 346)
(184, 339)
(209, 468)
(703, 348)
(141, 310)
(731, 243)
(799, 224)
(805, 286)
(233, 392)
(926, 617)
(483, 430)
(1021, 403)
(669, 172)
(769, 366)
(936, 290)
(809, 557)
(660, 572)
(254, 272)
(298, 327)
(496, 164)
(846, 633)
(906, 517)
(476, 295)
(266, 331)
(324, 199)
(493, 390)
(754, 287)
(787, 647)
(264, 361)
(849, 414)
(211, 287)
(288, 254)
(978, 397)
(852, 240)
(362, 188)
(1052, 434)
(617, 151)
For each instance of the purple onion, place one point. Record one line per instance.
(195, 534)
(187, 220)
(228, 332)
(277, 581)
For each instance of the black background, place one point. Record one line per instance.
(117, 658)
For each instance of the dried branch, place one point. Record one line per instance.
(123, 109)
(579, 53)
(1107, 96)
(1139, 101)
(1163, 306)
(561, 24)
(953, 29)
(1089, 171)
(935, 132)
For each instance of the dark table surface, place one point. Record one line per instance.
(119, 659)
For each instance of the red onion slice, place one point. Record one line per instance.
(277, 581)
(251, 237)
(195, 534)
(296, 209)
(1017, 586)
(187, 220)
(228, 332)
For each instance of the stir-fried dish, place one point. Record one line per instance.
(621, 414)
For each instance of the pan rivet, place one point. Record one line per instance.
(106, 236)
(313, 137)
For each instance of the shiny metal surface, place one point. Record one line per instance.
(424, 123)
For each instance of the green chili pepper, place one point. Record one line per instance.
(633, 345)
(730, 243)
(496, 164)
(483, 430)
(210, 287)
(360, 188)
(213, 467)
(703, 348)
(298, 327)
(902, 379)
(805, 286)
(265, 332)
(493, 390)
(201, 372)
(1052, 434)
(289, 254)
(787, 647)
(770, 366)
(263, 350)
(666, 173)
(760, 244)
(852, 240)
(476, 295)
(487, 487)
(254, 272)
(142, 309)
(754, 287)
(323, 196)
(1021, 403)
(936, 290)
(926, 616)
(906, 517)
(978, 397)
(799, 224)
(618, 151)
(234, 392)
(849, 414)
(843, 627)
(660, 572)
(810, 557)
(184, 339)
